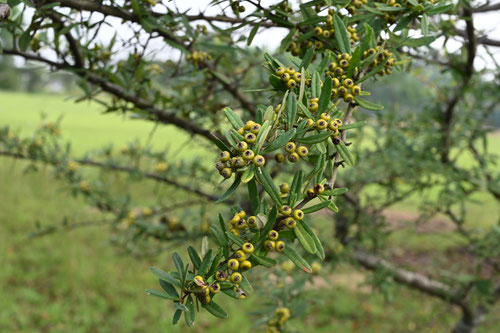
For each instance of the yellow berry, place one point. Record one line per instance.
(246, 265)
(220, 276)
(298, 214)
(293, 157)
(273, 235)
(280, 246)
(241, 146)
(224, 156)
(248, 155)
(291, 83)
(286, 210)
(279, 157)
(259, 160)
(325, 116)
(233, 264)
(321, 124)
(255, 128)
(269, 245)
(302, 151)
(252, 222)
(279, 71)
(247, 248)
(284, 188)
(290, 222)
(240, 255)
(250, 138)
(214, 288)
(226, 173)
(290, 147)
(236, 277)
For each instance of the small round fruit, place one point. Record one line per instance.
(348, 83)
(325, 116)
(198, 280)
(235, 219)
(241, 146)
(249, 124)
(248, 155)
(252, 222)
(348, 98)
(290, 222)
(290, 70)
(273, 235)
(321, 124)
(241, 214)
(220, 165)
(293, 157)
(220, 276)
(269, 245)
(291, 84)
(241, 224)
(240, 255)
(279, 71)
(226, 173)
(224, 156)
(318, 31)
(313, 107)
(279, 157)
(355, 90)
(302, 151)
(338, 121)
(297, 77)
(255, 128)
(247, 248)
(310, 193)
(236, 277)
(309, 122)
(245, 265)
(280, 246)
(319, 188)
(214, 288)
(332, 125)
(259, 161)
(284, 188)
(238, 162)
(285, 77)
(298, 214)
(286, 210)
(233, 264)
(290, 147)
(250, 138)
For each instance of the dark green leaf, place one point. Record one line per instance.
(345, 153)
(367, 105)
(253, 193)
(341, 35)
(253, 32)
(164, 276)
(160, 294)
(233, 118)
(191, 314)
(326, 95)
(215, 309)
(176, 317)
(304, 238)
(297, 259)
(230, 190)
(195, 258)
(280, 141)
(315, 208)
(353, 125)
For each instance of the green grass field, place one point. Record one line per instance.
(78, 282)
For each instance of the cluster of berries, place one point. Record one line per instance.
(202, 29)
(237, 7)
(275, 324)
(197, 57)
(294, 153)
(342, 86)
(204, 291)
(315, 190)
(238, 223)
(289, 75)
(289, 217)
(243, 154)
(382, 56)
(355, 4)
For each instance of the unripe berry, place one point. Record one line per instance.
(206, 299)
(348, 98)
(310, 193)
(269, 245)
(249, 124)
(250, 138)
(302, 151)
(318, 31)
(247, 248)
(286, 210)
(284, 188)
(290, 147)
(285, 77)
(279, 71)
(290, 222)
(245, 265)
(215, 288)
(321, 124)
(273, 235)
(255, 128)
(335, 82)
(241, 214)
(241, 146)
(252, 222)
(199, 281)
(325, 116)
(338, 121)
(293, 157)
(236, 277)
(248, 155)
(241, 224)
(226, 173)
(240, 255)
(233, 264)
(219, 165)
(297, 77)
(235, 232)
(344, 63)
(259, 160)
(348, 83)
(224, 156)
(309, 122)
(220, 276)
(235, 219)
(238, 162)
(319, 188)
(326, 34)
(279, 157)
(241, 131)
(342, 91)
(298, 214)
(313, 107)
(332, 125)
(280, 246)
(291, 83)
(332, 66)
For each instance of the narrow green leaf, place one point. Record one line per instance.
(230, 190)
(304, 238)
(176, 317)
(253, 32)
(291, 109)
(190, 315)
(353, 125)
(345, 153)
(264, 261)
(341, 35)
(164, 276)
(169, 289)
(335, 192)
(367, 105)
(215, 309)
(306, 60)
(235, 239)
(219, 236)
(315, 208)
(297, 259)
(326, 95)
(206, 263)
(195, 258)
(267, 182)
(319, 247)
(253, 193)
(160, 294)
(233, 118)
